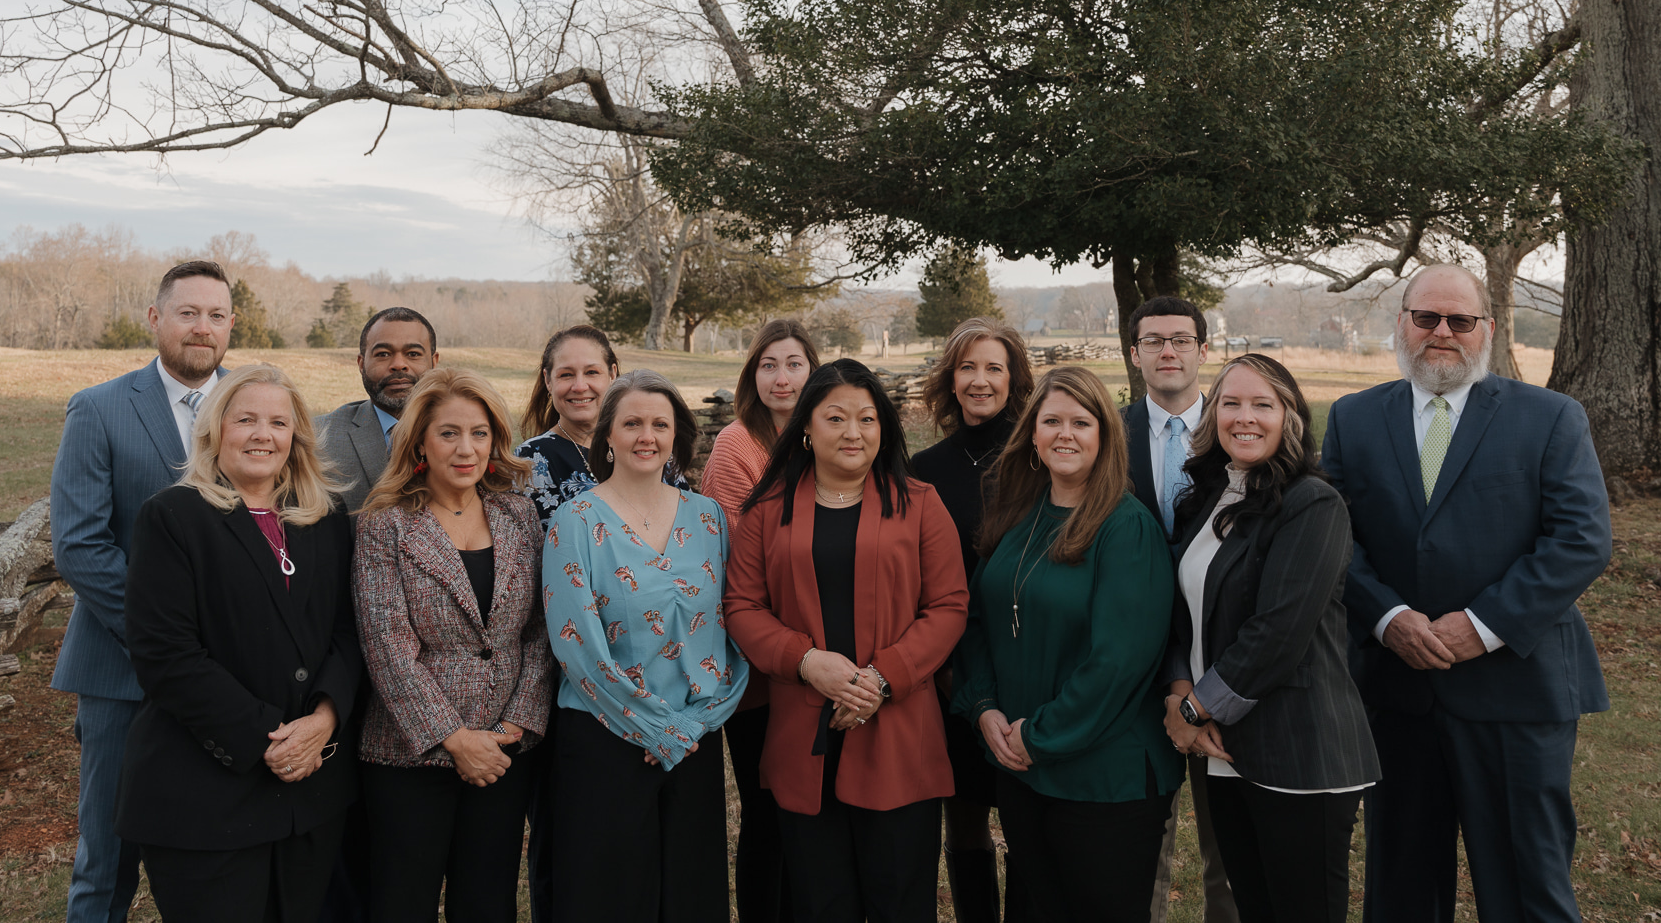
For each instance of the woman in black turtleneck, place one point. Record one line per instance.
(975, 393)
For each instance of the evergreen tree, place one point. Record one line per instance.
(955, 287)
(320, 336)
(123, 332)
(252, 329)
(343, 316)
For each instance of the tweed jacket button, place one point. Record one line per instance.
(486, 654)
(301, 675)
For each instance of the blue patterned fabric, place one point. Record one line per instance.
(640, 637)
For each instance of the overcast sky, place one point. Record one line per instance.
(421, 205)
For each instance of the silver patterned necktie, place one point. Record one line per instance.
(1437, 438)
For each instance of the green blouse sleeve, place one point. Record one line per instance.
(1130, 616)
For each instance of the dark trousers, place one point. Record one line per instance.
(280, 882)
(1219, 899)
(539, 848)
(638, 844)
(1287, 856)
(850, 864)
(428, 828)
(1083, 860)
(758, 869)
(1505, 783)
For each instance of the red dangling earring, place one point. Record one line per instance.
(490, 468)
(421, 466)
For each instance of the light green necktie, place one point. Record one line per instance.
(1436, 445)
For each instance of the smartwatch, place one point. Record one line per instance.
(1190, 714)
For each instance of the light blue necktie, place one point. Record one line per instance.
(193, 400)
(1173, 479)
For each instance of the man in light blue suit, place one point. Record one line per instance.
(1479, 515)
(123, 440)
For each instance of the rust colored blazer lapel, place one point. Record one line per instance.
(801, 560)
(867, 562)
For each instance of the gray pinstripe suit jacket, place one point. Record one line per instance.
(120, 446)
(1274, 633)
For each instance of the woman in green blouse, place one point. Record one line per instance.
(1068, 616)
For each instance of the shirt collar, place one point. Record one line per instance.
(1456, 398)
(176, 389)
(1158, 417)
(387, 421)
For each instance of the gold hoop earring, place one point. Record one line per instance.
(805, 443)
(1033, 461)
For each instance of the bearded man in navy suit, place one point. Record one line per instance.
(1480, 516)
(123, 441)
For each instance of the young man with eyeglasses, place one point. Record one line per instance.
(1170, 339)
(1480, 516)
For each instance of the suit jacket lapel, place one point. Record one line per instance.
(801, 559)
(153, 410)
(368, 439)
(512, 551)
(1141, 465)
(1398, 425)
(289, 598)
(1473, 422)
(429, 546)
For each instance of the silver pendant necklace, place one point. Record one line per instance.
(284, 563)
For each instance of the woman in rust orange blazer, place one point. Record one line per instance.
(845, 586)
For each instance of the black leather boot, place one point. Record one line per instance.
(973, 876)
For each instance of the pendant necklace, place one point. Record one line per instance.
(841, 497)
(284, 562)
(582, 453)
(446, 509)
(1018, 582)
(645, 521)
(975, 462)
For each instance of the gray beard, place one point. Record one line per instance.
(1440, 379)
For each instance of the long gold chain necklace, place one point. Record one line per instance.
(1017, 582)
(582, 453)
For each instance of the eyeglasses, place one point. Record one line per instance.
(1182, 344)
(1458, 323)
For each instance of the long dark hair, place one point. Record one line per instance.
(1266, 483)
(792, 459)
(650, 382)
(540, 415)
(751, 412)
(1022, 478)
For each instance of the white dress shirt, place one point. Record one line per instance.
(1423, 414)
(1158, 418)
(176, 390)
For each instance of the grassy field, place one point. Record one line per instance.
(1617, 870)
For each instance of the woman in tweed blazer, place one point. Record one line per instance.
(447, 578)
(1261, 686)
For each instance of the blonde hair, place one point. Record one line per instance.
(303, 493)
(401, 485)
(1022, 478)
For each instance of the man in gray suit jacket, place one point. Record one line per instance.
(1480, 516)
(123, 441)
(397, 346)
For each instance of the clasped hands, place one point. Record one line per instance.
(854, 691)
(1005, 741)
(1433, 645)
(1205, 740)
(478, 755)
(296, 748)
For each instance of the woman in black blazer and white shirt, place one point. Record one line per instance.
(1260, 684)
(240, 627)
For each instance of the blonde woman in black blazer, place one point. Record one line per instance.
(236, 778)
(448, 582)
(1262, 689)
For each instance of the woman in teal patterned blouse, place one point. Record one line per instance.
(1068, 615)
(633, 577)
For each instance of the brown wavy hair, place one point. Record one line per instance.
(1023, 480)
(540, 415)
(400, 485)
(304, 487)
(939, 395)
(686, 425)
(757, 419)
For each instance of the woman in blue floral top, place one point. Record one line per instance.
(632, 579)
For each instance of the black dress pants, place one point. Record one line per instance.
(1287, 856)
(637, 844)
(848, 864)
(279, 882)
(758, 869)
(1083, 860)
(539, 846)
(428, 828)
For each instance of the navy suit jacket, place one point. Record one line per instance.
(1516, 529)
(120, 446)
(1135, 415)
